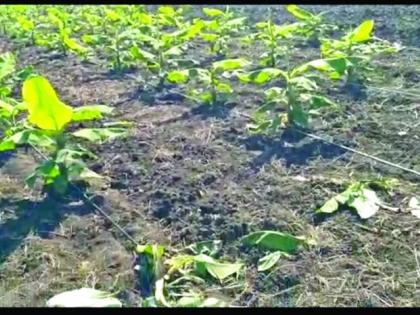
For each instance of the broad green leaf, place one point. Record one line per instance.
(212, 12)
(90, 112)
(230, 64)
(273, 240)
(303, 83)
(299, 13)
(73, 45)
(318, 101)
(190, 301)
(268, 261)
(85, 297)
(234, 22)
(141, 54)
(286, 30)
(179, 76)
(224, 87)
(167, 10)
(262, 76)
(298, 116)
(100, 135)
(46, 111)
(366, 203)
(214, 268)
(363, 32)
(202, 75)
(7, 145)
(274, 93)
(208, 37)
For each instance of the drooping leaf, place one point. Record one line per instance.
(299, 13)
(366, 203)
(230, 64)
(268, 261)
(214, 268)
(179, 76)
(210, 248)
(319, 101)
(91, 112)
(46, 111)
(212, 12)
(7, 145)
(298, 116)
(160, 294)
(274, 241)
(85, 297)
(100, 135)
(261, 76)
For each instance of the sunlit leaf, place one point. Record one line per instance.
(363, 32)
(91, 112)
(46, 111)
(85, 297)
(214, 268)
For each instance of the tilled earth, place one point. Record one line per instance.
(187, 174)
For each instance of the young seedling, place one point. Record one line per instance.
(299, 96)
(163, 50)
(46, 129)
(220, 31)
(214, 88)
(312, 25)
(356, 49)
(278, 41)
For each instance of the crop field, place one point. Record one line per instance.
(209, 156)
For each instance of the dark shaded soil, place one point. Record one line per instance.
(187, 174)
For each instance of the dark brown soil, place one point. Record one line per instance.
(188, 174)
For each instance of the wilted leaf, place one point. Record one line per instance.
(100, 135)
(230, 64)
(90, 112)
(85, 297)
(46, 111)
(214, 268)
(366, 203)
(268, 261)
(274, 240)
(159, 293)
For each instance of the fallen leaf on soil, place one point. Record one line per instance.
(84, 297)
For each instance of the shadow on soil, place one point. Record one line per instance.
(288, 148)
(41, 217)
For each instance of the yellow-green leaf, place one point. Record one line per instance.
(46, 111)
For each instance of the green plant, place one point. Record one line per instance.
(358, 196)
(356, 49)
(299, 95)
(221, 29)
(60, 34)
(214, 87)
(46, 128)
(312, 26)
(278, 40)
(162, 50)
